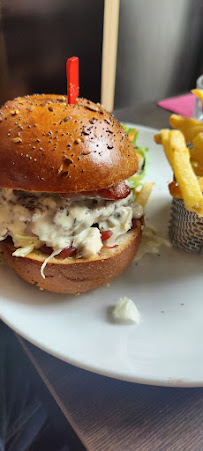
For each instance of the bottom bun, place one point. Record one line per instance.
(76, 275)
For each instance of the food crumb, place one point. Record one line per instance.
(126, 312)
(151, 242)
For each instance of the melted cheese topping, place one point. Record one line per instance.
(35, 219)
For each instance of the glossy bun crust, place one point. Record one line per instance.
(74, 275)
(47, 145)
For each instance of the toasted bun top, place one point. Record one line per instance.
(50, 146)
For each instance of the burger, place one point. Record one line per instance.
(69, 221)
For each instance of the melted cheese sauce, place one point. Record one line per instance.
(34, 219)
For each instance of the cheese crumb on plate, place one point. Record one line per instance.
(126, 311)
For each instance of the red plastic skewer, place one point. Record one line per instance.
(72, 71)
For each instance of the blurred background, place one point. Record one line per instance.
(159, 47)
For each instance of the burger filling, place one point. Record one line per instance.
(64, 226)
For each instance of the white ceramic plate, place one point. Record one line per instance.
(165, 349)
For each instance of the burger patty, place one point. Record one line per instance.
(33, 220)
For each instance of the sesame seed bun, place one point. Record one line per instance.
(47, 145)
(74, 275)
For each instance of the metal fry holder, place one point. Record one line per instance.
(185, 228)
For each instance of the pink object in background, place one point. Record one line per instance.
(183, 105)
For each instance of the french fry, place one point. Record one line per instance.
(198, 93)
(185, 176)
(143, 195)
(177, 141)
(196, 154)
(189, 127)
(191, 133)
(157, 138)
(175, 191)
(165, 133)
(200, 181)
(198, 142)
(164, 138)
(198, 170)
(177, 121)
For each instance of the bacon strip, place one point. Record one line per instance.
(115, 192)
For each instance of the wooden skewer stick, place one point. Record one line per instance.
(4, 72)
(109, 52)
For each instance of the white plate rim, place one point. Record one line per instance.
(171, 382)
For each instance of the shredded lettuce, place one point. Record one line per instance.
(23, 251)
(47, 261)
(136, 180)
(25, 244)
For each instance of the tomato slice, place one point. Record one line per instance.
(69, 251)
(115, 192)
(106, 234)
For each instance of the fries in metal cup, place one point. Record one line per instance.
(183, 148)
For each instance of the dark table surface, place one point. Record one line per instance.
(109, 414)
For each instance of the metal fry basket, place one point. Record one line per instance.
(185, 228)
